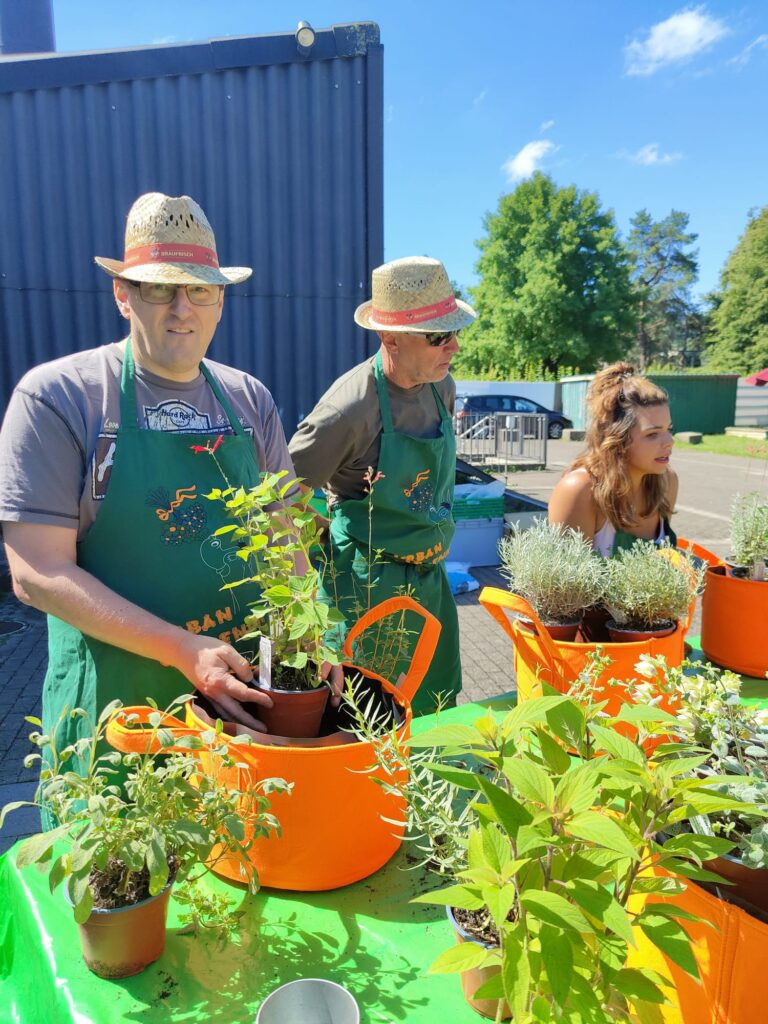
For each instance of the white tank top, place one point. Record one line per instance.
(602, 542)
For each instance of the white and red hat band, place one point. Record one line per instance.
(403, 317)
(171, 252)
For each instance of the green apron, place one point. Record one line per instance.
(623, 541)
(152, 542)
(407, 527)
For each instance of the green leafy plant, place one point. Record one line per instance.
(648, 587)
(277, 535)
(554, 569)
(128, 824)
(734, 735)
(749, 534)
(545, 820)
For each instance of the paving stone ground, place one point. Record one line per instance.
(707, 486)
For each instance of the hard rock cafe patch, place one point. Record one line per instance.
(178, 416)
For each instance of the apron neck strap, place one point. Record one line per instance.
(234, 419)
(129, 416)
(384, 406)
(381, 388)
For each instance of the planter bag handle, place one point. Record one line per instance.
(699, 552)
(496, 602)
(425, 648)
(136, 737)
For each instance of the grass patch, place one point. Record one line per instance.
(725, 444)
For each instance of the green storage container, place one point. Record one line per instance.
(705, 402)
(478, 508)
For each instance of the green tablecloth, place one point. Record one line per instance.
(367, 937)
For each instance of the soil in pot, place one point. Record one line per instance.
(630, 634)
(735, 569)
(469, 927)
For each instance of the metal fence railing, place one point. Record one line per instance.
(502, 440)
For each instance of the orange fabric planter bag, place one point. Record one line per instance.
(332, 828)
(540, 659)
(731, 950)
(734, 618)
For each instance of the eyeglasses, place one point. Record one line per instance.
(437, 340)
(160, 294)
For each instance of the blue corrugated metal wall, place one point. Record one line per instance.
(283, 152)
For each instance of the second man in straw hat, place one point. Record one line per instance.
(390, 529)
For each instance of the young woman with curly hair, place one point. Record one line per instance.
(621, 487)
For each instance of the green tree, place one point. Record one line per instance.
(663, 269)
(554, 284)
(738, 339)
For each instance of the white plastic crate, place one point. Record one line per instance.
(477, 541)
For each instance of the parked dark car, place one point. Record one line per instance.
(486, 405)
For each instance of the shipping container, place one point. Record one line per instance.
(702, 402)
(281, 147)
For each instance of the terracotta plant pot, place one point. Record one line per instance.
(295, 713)
(472, 980)
(628, 635)
(122, 942)
(557, 630)
(749, 884)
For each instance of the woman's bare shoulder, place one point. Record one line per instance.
(575, 482)
(572, 502)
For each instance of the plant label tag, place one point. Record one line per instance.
(265, 663)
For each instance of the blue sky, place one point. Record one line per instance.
(655, 105)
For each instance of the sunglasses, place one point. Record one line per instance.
(437, 340)
(159, 294)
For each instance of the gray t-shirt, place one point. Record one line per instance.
(58, 439)
(334, 446)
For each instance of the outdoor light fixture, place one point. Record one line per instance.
(305, 37)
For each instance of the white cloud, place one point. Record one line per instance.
(673, 41)
(546, 125)
(164, 40)
(524, 163)
(479, 98)
(650, 156)
(743, 58)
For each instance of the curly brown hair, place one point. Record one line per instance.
(613, 398)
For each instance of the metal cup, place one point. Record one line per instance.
(309, 1001)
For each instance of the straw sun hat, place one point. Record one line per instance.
(413, 296)
(168, 239)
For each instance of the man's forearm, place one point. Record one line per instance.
(78, 598)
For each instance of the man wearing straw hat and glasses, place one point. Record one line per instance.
(392, 413)
(104, 464)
